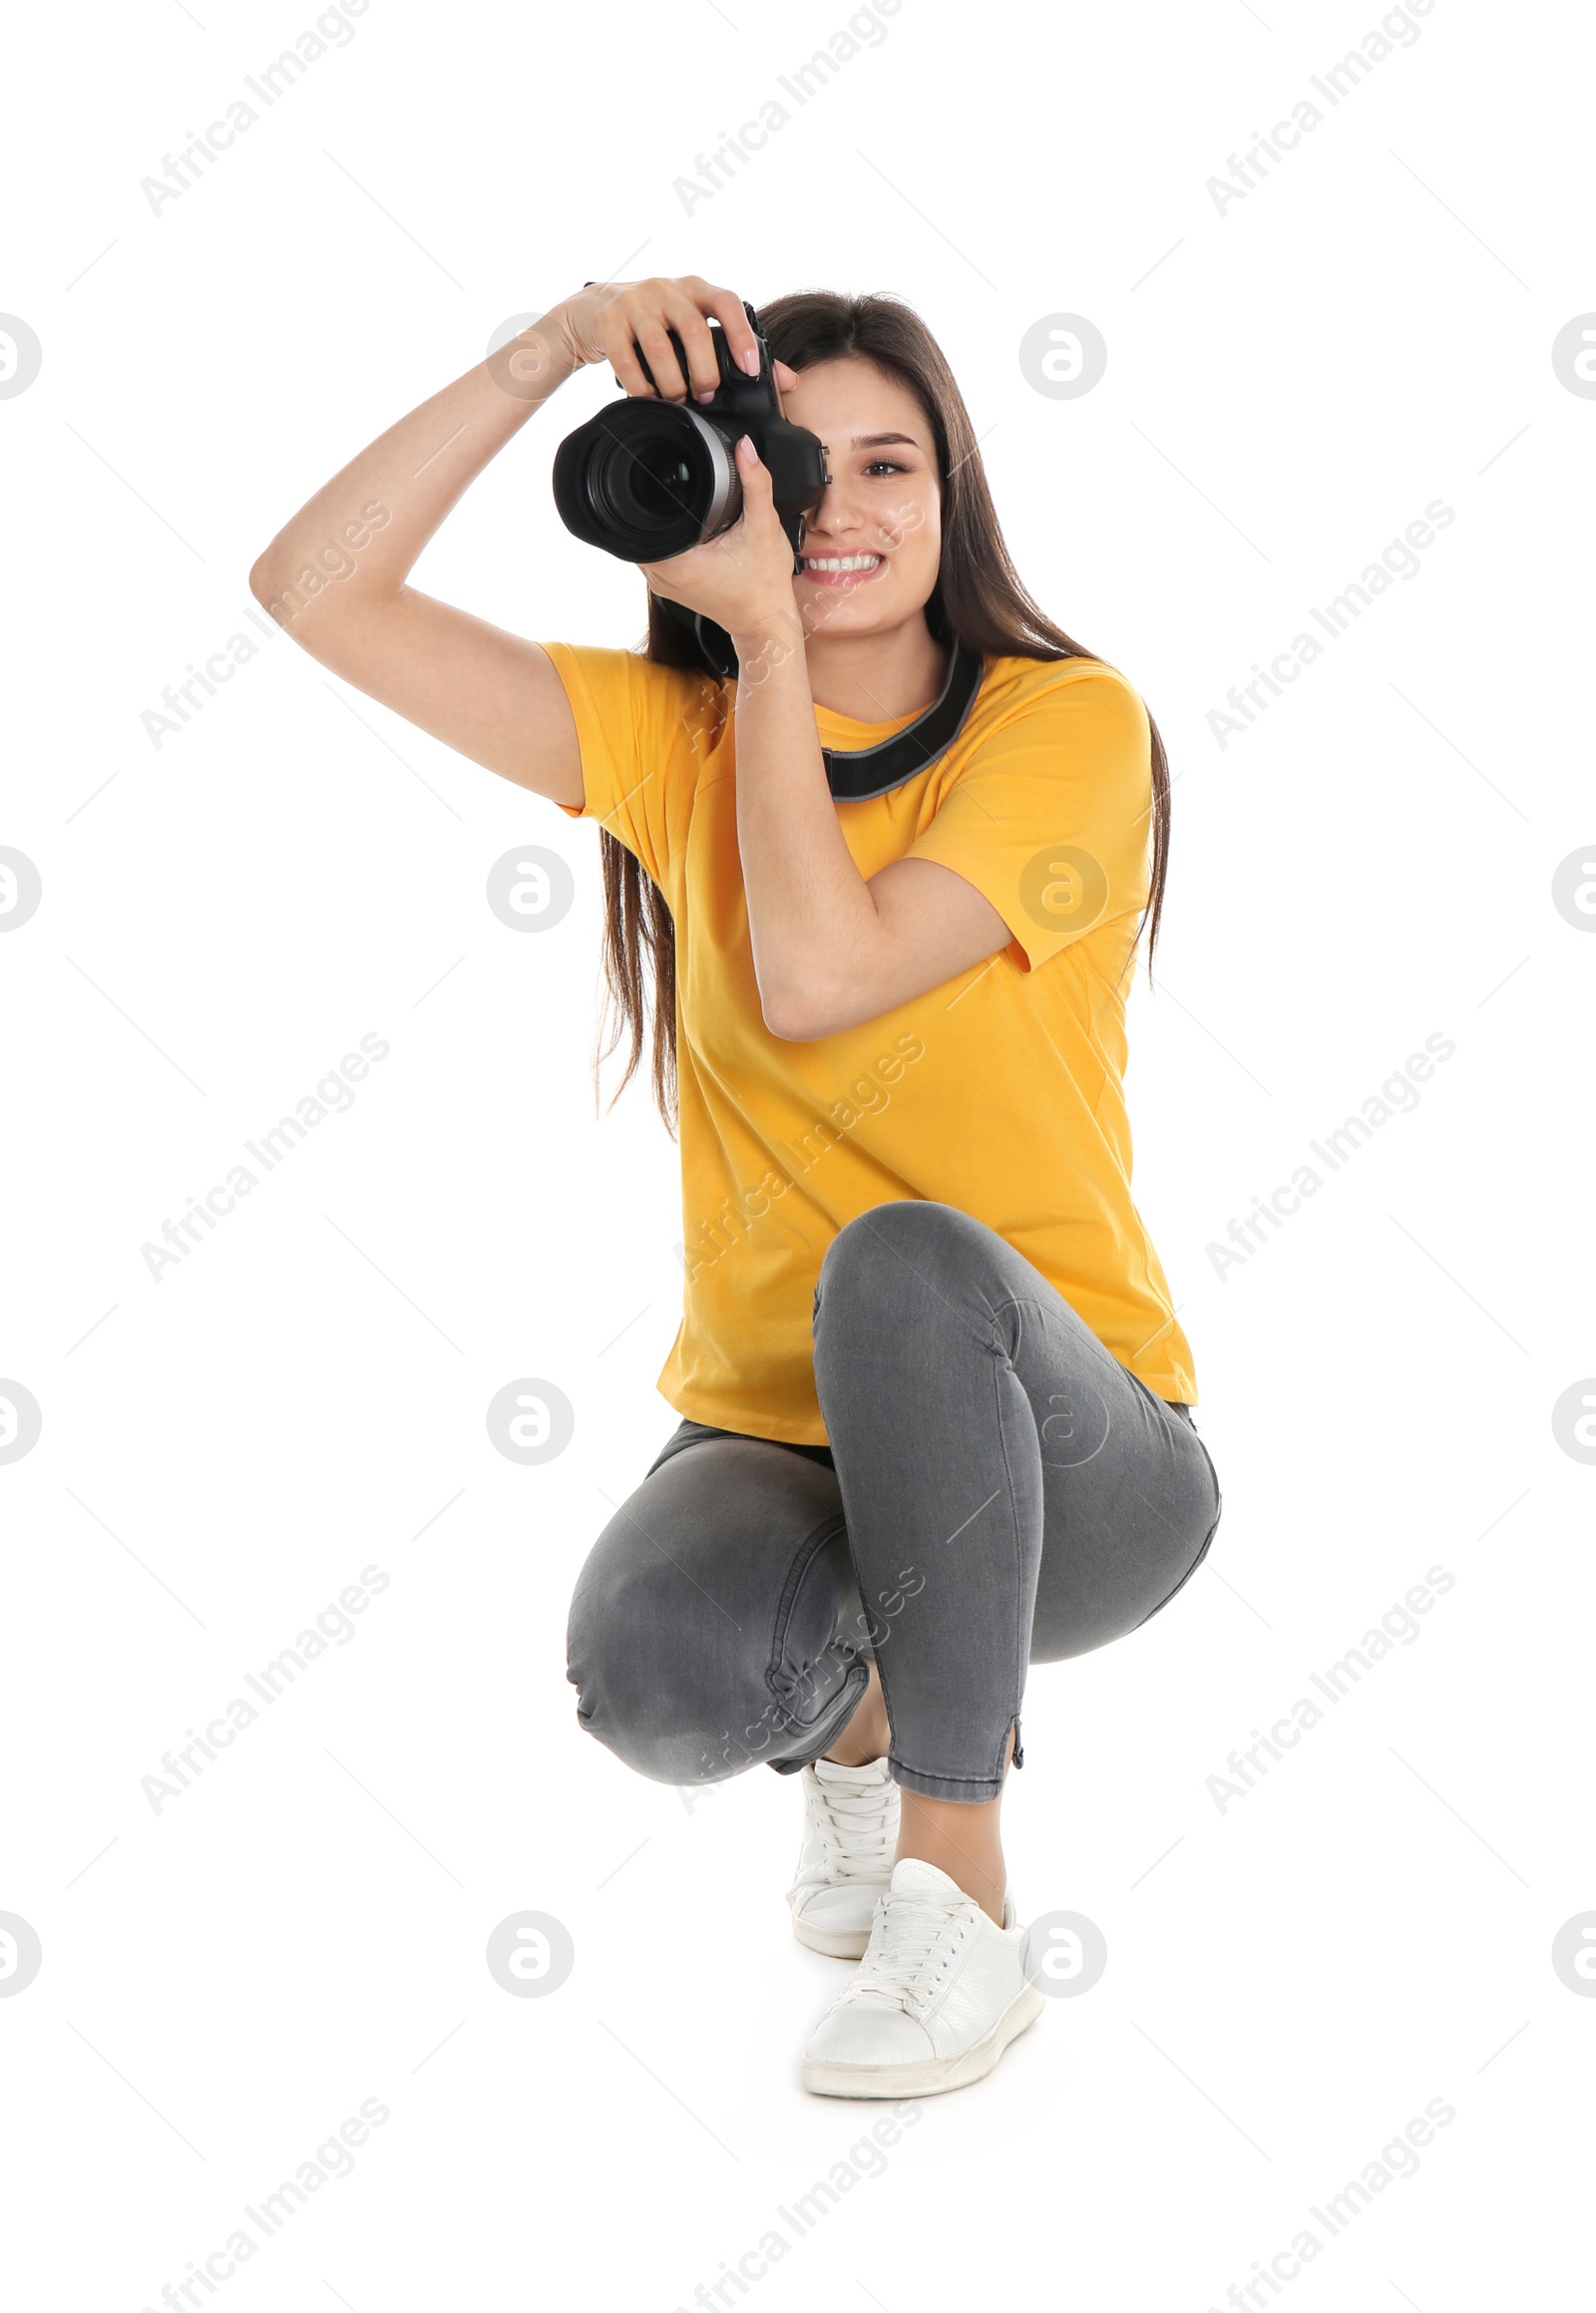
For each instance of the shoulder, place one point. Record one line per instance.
(1079, 687)
(1057, 717)
(624, 682)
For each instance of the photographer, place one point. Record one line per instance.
(879, 844)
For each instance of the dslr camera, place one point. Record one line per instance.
(649, 479)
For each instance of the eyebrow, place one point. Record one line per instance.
(880, 441)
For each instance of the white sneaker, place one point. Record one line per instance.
(941, 1992)
(845, 1864)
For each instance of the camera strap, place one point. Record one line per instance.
(860, 774)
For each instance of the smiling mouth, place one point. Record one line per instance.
(842, 570)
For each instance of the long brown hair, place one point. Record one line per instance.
(979, 600)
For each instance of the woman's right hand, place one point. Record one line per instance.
(609, 320)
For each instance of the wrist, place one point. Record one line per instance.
(766, 641)
(530, 366)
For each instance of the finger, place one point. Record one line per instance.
(661, 359)
(786, 377)
(656, 318)
(726, 306)
(616, 336)
(757, 486)
(690, 326)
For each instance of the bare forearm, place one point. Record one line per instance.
(368, 525)
(813, 923)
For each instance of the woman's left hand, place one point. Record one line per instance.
(742, 579)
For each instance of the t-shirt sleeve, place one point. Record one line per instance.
(1052, 817)
(644, 732)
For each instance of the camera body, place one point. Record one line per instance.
(647, 479)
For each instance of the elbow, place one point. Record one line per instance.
(267, 582)
(801, 1014)
(303, 591)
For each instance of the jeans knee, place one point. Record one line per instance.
(880, 1249)
(902, 1267)
(631, 1668)
(685, 1694)
(639, 1707)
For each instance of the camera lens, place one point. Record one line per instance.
(658, 478)
(652, 482)
(646, 481)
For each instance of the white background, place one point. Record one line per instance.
(1289, 383)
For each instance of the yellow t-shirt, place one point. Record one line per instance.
(998, 1092)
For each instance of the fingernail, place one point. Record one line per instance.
(708, 395)
(750, 361)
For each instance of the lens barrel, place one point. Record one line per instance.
(645, 480)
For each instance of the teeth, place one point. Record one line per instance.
(841, 561)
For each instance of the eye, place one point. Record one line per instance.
(885, 466)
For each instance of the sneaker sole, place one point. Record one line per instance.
(836, 1943)
(933, 2078)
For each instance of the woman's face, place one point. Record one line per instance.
(882, 510)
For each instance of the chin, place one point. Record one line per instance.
(874, 622)
(859, 613)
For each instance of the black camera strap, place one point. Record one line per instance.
(860, 774)
(857, 774)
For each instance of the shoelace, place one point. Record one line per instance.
(911, 1945)
(853, 1830)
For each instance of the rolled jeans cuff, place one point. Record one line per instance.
(972, 1790)
(853, 1694)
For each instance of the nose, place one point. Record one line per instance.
(845, 521)
(834, 514)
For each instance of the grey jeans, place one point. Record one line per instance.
(997, 1490)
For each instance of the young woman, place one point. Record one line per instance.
(887, 884)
